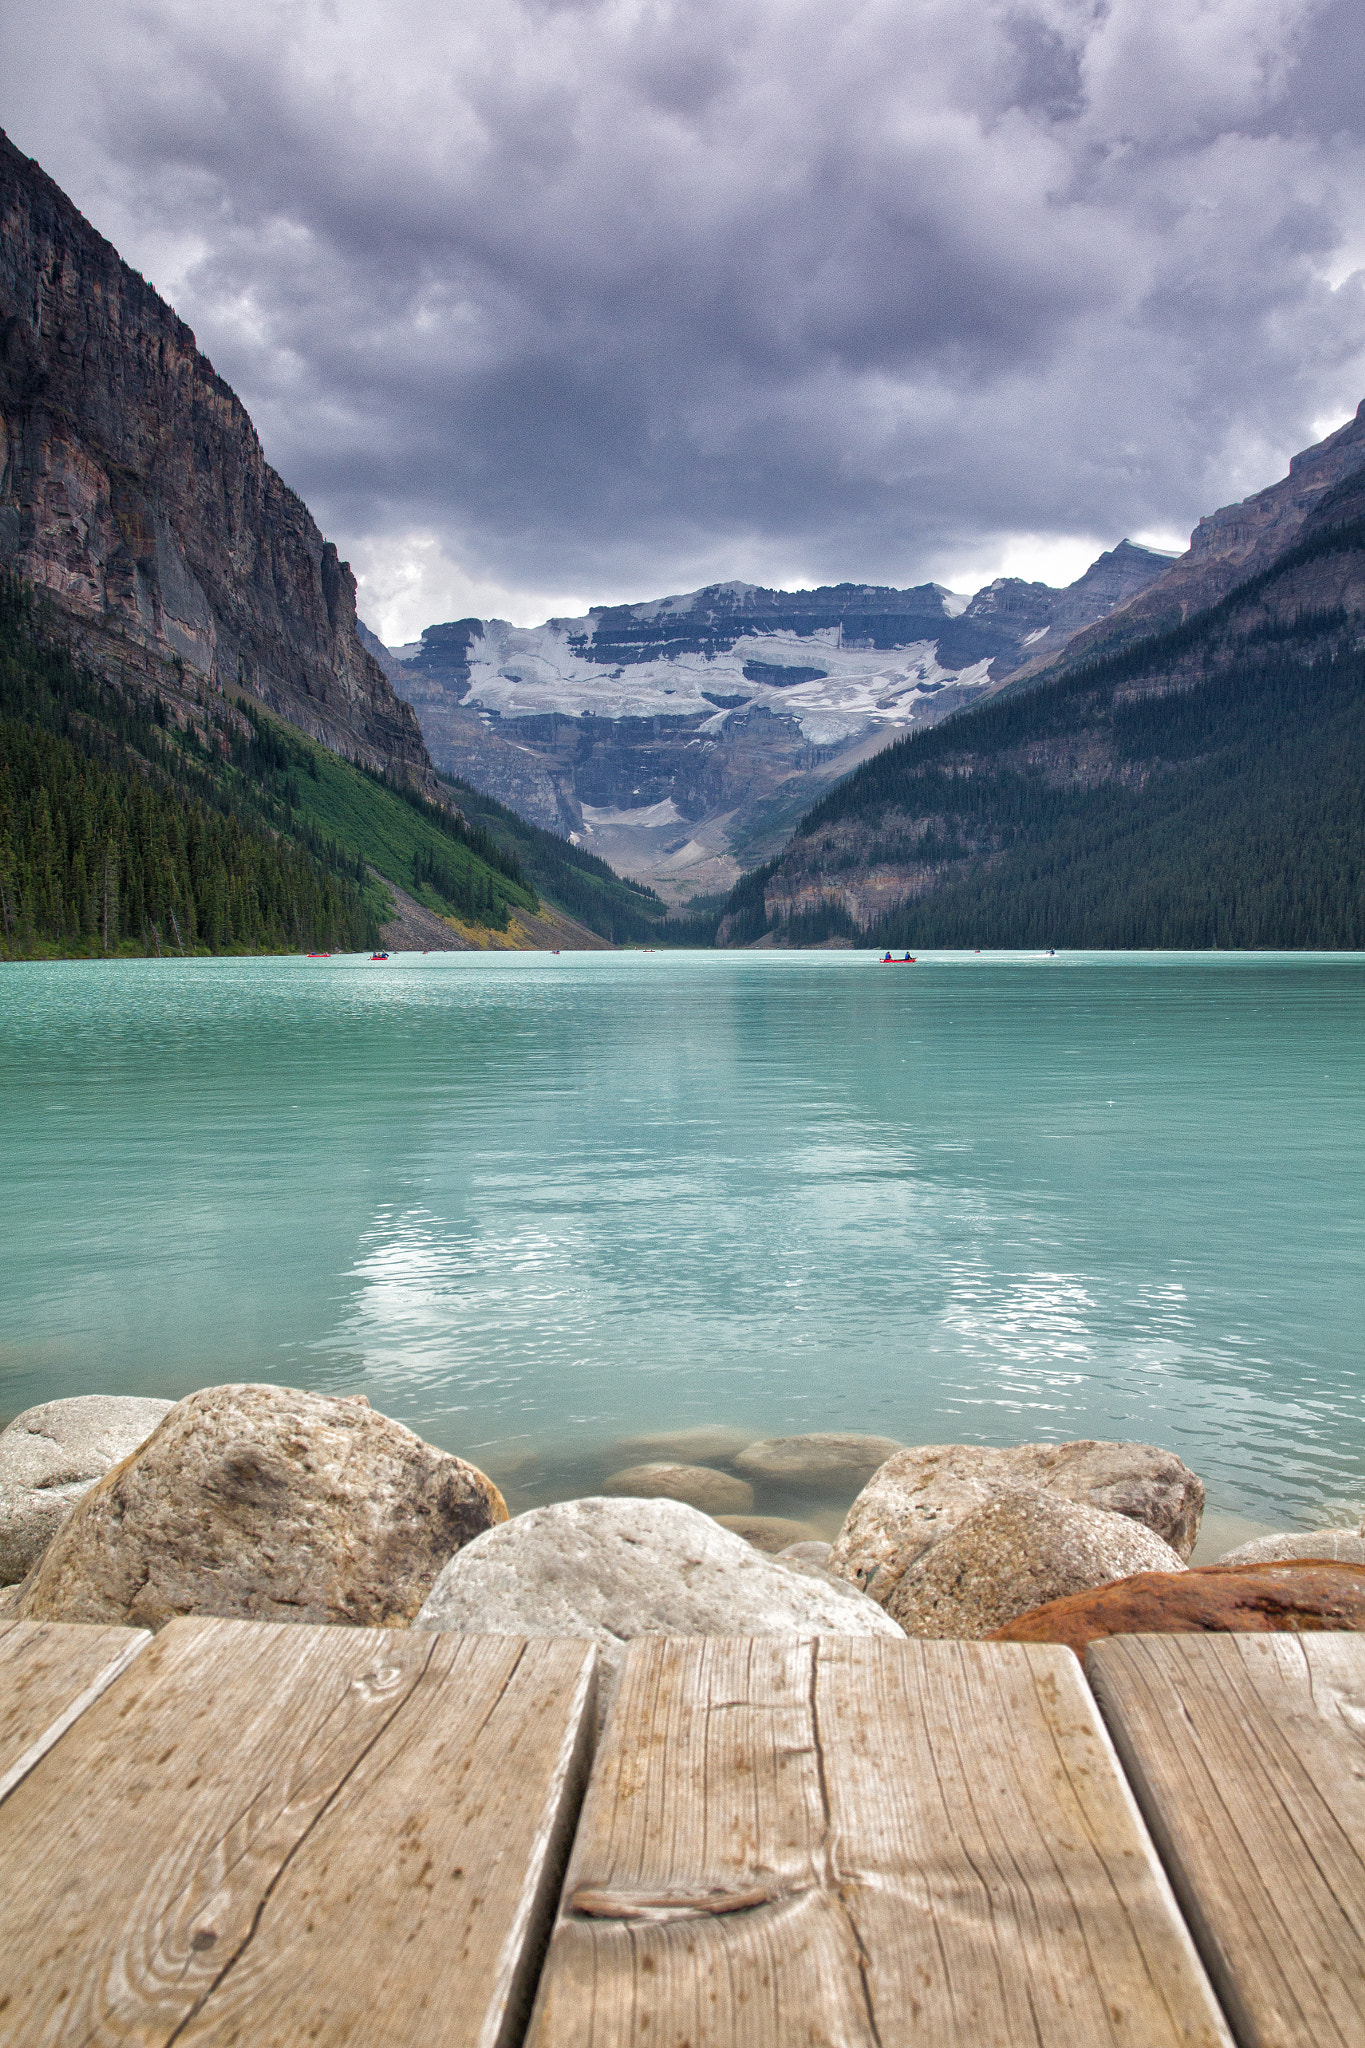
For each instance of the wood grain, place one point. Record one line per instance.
(856, 1841)
(279, 1835)
(1247, 1753)
(50, 1672)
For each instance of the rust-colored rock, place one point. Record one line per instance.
(1256, 1599)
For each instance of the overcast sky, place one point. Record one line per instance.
(542, 303)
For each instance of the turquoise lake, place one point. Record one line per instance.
(531, 1204)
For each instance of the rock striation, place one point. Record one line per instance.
(1253, 1599)
(611, 1570)
(918, 1497)
(134, 491)
(265, 1504)
(51, 1455)
(1015, 1553)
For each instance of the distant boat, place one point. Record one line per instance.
(379, 956)
(319, 956)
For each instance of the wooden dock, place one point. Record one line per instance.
(241, 1835)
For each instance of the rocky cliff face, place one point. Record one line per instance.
(1228, 546)
(133, 489)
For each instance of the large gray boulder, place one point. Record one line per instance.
(826, 1461)
(1015, 1553)
(51, 1455)
(1346, 1546)
(920, 1496)
(699, 1486)
(610, 1570)
(267, 1504)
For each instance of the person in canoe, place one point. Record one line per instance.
(887, 961)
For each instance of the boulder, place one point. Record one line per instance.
(828, 1461)
(1345, 1546)
(51, 1455)
(1014, 1553)
(698, 1486)
(611, 1570)
(266, 1504)
(769, 1532)
(1256, 1599)
(919, 1496)
(707, 1443)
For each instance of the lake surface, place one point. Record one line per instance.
(529, 1205)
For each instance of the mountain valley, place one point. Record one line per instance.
(679, 739)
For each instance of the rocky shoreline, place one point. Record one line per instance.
(273, 1504)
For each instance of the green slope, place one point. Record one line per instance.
(124, 832)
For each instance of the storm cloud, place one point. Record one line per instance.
(544, 301)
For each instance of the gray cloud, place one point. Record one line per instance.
(606, 298)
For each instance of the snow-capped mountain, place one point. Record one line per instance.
(682, 737)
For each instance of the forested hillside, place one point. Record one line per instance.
(1201, 788)
(125, 830)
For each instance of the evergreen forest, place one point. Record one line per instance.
(1191, 791)
(124, 830)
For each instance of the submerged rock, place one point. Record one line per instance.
(1345, 1546)
(611, 1570)
(51, 1455)
(770, 1533)
(699, 1486)
(1015, 1553)
(706, 1443)
(809, 1552)
(827, 1461)
(1256, 1599)
(267, 1504)
(920, 1496)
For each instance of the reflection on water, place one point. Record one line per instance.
(531, 1206)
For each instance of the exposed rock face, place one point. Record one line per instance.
(1015, 1553)
(265, 1504)
(134, 490)
(1245, 1599)
(51, 1455)
(1233, 543)
(615, 1569)
(826, 1461)
(920, 1496)
(1345, 1546)
(700, 1486)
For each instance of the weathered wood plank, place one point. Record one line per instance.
(271, 1835)
(50, 1672)
(864, 1842)
(1247, 1753)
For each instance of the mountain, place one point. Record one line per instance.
(133, 490)
(1226, 548)
(675, 736)
(197, 752)
(1196, 785)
